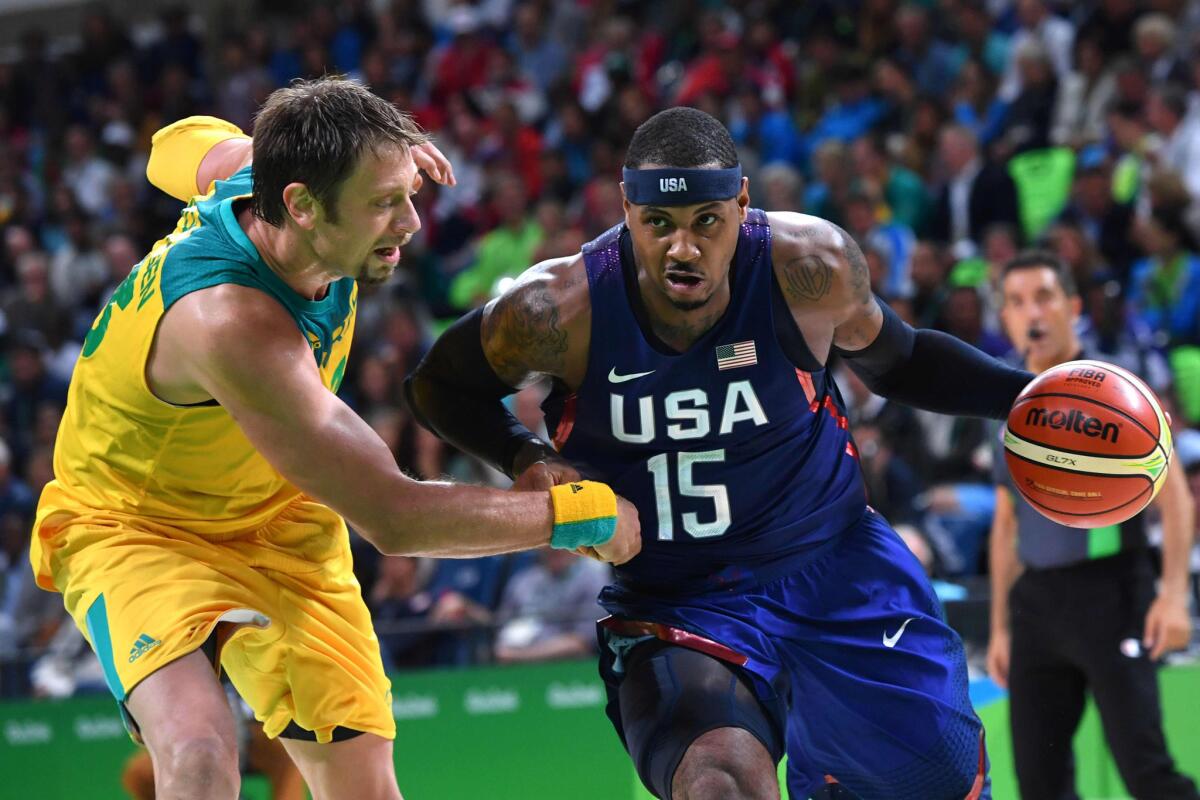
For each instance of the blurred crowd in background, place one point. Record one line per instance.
(943, 135)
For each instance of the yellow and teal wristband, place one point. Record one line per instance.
(585, 514)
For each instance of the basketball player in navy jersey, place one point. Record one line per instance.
(770, 610)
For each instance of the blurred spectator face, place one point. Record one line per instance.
(1031, 12)
(912, 27)
(831, 163)
(1105, 306)
(17, 242)
(964, 314)
(557, 561)
(78, 143)
(508, 200)
(782, 188)
(573, 123)
(374, 380)
(399, 574)
(33, 271)
(39, 469)
(1039, 316)
(957, 149)
(999, 245)
(867, 159)
(121, 254)
(1034, 66)
(632, 106)
(1160, 116)
(972, 84)
(860, 216)
(974, 25)
(551, 216)
(527, 23)
(1089, 57)
(1132, 83)
(1092, 191)
(1156, 239)
(927, 269)
(45, 424)
(1068, 243)
(25, 366)
(1153, 36)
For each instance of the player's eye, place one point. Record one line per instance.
(658, 223)
(708, 219)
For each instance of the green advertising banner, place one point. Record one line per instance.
(505, 733)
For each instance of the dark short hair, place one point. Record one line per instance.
(681, 137)
(1043, 259)
(313, 132)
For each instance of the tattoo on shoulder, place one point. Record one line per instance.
(526, 323)
(860, 273)
(809, 277)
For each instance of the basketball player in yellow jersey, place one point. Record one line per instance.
(204, 459)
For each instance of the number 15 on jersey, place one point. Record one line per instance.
(660, 468)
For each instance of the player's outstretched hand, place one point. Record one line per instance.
(998, 653)
(1168, 625)
(627, 541)
(433, 163)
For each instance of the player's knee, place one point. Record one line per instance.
(201, 764)
(721, 765)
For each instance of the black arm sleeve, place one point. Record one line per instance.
(935, 371)
(455, 393)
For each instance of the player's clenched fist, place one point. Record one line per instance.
(627, 541)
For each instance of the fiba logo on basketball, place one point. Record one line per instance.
(1075, 421)
(1091, 377)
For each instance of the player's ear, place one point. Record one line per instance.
(301, 205)
(625, 204)
(743, 199)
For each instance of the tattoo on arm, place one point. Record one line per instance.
(808, 277)
(860, 273)
(525, 335)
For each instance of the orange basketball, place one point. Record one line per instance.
(1087, 444)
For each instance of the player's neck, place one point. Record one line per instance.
(288, 256)
(677, 328)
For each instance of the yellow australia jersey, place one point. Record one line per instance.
(125, 457)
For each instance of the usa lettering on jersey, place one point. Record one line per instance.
(687, 414)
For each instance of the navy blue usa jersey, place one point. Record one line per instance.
(738, 462)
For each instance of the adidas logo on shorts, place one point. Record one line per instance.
(144, 643)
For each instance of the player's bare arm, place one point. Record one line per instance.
(539, 328)
(239, 346)
(824, 278)
(1168, 623)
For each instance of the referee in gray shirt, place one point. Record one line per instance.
(1077, 610)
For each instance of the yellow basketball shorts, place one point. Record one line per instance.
(302, 649)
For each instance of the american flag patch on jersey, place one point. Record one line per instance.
(740, 354)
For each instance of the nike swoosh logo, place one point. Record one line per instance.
(613, 377)
(890, 641)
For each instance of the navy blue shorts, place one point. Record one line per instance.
(853, 653)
